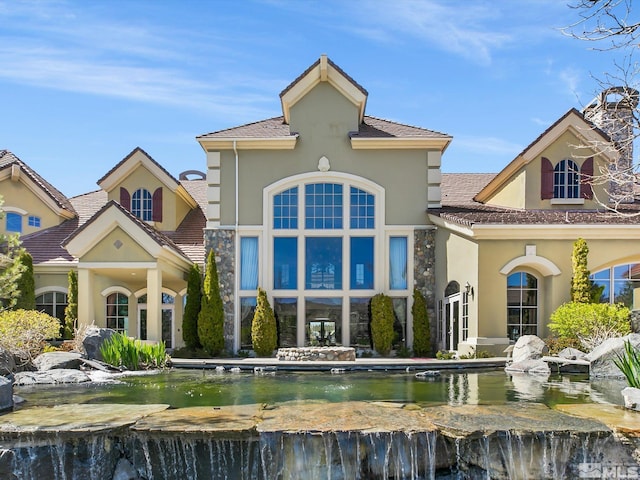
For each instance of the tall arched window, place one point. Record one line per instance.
(566, 180)
(141, 204)
(522, 305)
(118, 312)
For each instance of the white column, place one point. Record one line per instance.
(154, 304)
(86, 312)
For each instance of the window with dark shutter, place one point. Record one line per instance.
(586, 174)
(157, 205)
(125, 198)
(546, 182)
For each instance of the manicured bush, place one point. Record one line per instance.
(580, 282)
(211, 316)
(23, 332)
(382, 318)
(26, 284)
(264, 334)
(590, 323)
(71, 310)
(124, 352)
(421, 330)
(192, 309)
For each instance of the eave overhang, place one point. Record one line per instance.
(219, 144)
(441, 144)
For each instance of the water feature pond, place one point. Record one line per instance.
(189, 388)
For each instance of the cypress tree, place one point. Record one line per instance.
(264, 335)
(580, 282)
(211, 316)
(382, 318)
(71, 311)
(192, 309)
(26, 284)
(421, 330)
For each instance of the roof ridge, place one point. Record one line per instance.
(243, 125)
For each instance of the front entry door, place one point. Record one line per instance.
(451, 322)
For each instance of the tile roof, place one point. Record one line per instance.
(7, 159)
(133, 152)
(458, 207)
(189, 236)
(371, 127)
(45, 246)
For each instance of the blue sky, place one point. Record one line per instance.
(82, 83)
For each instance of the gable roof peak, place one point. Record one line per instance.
(323, 70)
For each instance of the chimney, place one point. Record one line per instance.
(613, 112)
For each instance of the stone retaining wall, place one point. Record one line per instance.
(311, 354)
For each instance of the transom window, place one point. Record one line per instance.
(618, 284)
(522, 305)
(285, 209)
(323, 205)
(362, 209)
(141, 204)
(566, 180)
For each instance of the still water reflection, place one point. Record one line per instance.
(183, 388)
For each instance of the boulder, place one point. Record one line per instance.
(51, 377)
(7, 362)
(94, 338)
(56, 360)
(603, 355)
(125, 471)
(571, 354)
(532, 366)
(529, 347)
(6, 394)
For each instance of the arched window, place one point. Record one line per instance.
(566, 180)
(141, 204)
(14, 222)
(118, 312)
(52, 303)
(522, 305)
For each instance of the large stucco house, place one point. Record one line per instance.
(323, 207)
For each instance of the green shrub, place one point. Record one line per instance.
(590, 323)
(211, 316)
(23, 332)
(186, 352)
(71, 310)
(421, 330)
(26, 284)
(557, 344)
(264, 334)
(192, 309)
(382, 318)
(445, 355)
(403, 352)
(122, 351)
(629, 364)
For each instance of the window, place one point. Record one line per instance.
(286, 313)
(249, 263)
(618, 284)
(323, 268)
(323, 206)
(362, 209)
(566, 180)
(398, 263)
(361, 263)
(14, 222)
(285, 209)
(141, 204)
(285, 263)
(54, 304)
(247, 311)
(34, 221)
(118, 312)
(522, 305)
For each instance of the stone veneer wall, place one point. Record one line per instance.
(222, 241)
(424, 271)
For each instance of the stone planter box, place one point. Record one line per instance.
(314, 354)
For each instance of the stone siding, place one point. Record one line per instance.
(424, 272)
(222, 241)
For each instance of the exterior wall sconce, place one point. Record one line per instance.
(469, 289)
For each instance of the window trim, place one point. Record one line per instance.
(520, 306)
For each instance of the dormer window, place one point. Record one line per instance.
(566, 181)
(141, 204)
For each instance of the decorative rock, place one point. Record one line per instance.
(57, 360)
(125, 471)
(533, 367)
(6, 394)
(571, 354)
(7, 362)
(529, 347)
(311, 354)
(603, 355)
(50, 377)
(631, 397)
(93, 339)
